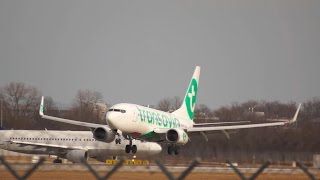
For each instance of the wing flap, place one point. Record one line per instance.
(220, 123)
(246, 126)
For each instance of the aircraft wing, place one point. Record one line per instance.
(244, 126)
(68, 121)
(46, 145)
(220, 123)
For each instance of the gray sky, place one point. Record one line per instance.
(144, 51)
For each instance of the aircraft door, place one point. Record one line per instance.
(135, 117)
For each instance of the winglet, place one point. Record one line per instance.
(41, 106)
(294, 119)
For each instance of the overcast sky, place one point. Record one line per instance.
(144, 51)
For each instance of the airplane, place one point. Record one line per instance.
(71, 145)
(139, 122)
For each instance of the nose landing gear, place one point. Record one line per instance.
(118, 139)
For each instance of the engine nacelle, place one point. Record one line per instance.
(76, 156)
(104, 134)
(177, 136)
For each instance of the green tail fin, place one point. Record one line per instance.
(189, 102)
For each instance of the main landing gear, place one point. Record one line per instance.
(130, 147)
(57, 161)
(173, 149)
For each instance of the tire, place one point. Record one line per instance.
(134, 149)
(57, 161)
(170, 149)
(128, 148)
(176, 150)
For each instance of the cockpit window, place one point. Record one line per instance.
(118, 110)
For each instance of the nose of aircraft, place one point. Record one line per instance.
(112, 118)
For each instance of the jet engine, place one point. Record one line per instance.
(76, 156)
(104, 134)
(177, 136)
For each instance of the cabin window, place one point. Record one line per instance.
(118, 110)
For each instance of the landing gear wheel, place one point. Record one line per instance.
(134, 149)
(170, 149)
(128, 148)
(57, 161)
(176, 150)
(118, 141)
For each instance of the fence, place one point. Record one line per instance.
(255, 173)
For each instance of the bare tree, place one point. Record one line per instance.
(205, 110)
(21, 101)
(164, 105)
(175, 103)
(85, 105)
(312, 108)
(50, 105)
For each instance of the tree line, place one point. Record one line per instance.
(20, 108)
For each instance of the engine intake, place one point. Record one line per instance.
(177, 136)
(104, 134)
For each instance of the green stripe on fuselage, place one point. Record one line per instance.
(151, 136)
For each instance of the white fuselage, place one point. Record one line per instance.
(70, 139)
(139, 120)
